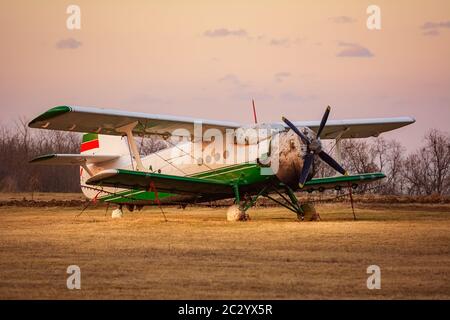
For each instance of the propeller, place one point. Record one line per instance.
(313, 148)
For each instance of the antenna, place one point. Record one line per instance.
(254, 111)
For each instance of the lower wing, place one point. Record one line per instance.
(339, 182)
(139, 180)
(128, 179)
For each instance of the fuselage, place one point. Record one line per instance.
(193, 159)
(252, 158)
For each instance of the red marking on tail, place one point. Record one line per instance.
(89, 145)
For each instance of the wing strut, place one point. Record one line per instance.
(86, 168)
(153, 189)
(128, 130)
(254, 112)
(338, 145)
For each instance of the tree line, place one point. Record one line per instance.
(425, 171)
(19, 144)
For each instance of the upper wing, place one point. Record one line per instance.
(72, 159)
(106, 121)
(162, 182)
(338, 182)
(356, 128)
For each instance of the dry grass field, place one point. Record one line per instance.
(197, 254)
(41, 196)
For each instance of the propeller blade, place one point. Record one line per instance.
(294, 128)
(324, 121)
(332, 163)
(309, 157)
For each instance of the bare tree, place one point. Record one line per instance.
(151, 144)
(19, 144)
(356, 156)
(428, 169)
(389, 158)
(363, 156)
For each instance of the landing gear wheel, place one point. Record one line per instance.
(310, 213)
(117, 213)
(235, 213)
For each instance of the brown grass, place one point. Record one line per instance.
(199, 255)
(40, 196)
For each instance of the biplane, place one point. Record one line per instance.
(207, 160)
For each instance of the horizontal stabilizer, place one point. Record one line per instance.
(72, 159)
(161, 182)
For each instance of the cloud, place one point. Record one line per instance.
(284, 42)
(342, 19)
(231, 79)
(432, 28)
(241, 90)
(431, 33)
(261, 37)
(353, 50)
(243, 34)
(280, 76)
(436, 25)
(69, 43)
(224, 32)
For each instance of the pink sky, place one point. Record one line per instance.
(210, 58)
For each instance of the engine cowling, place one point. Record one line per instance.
(290, 151)
(288, 148)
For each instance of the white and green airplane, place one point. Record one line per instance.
(212, 160)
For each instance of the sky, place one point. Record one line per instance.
(208, 59)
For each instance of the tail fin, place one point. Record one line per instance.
(96, 145)
(93, 144)
(97, 153)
